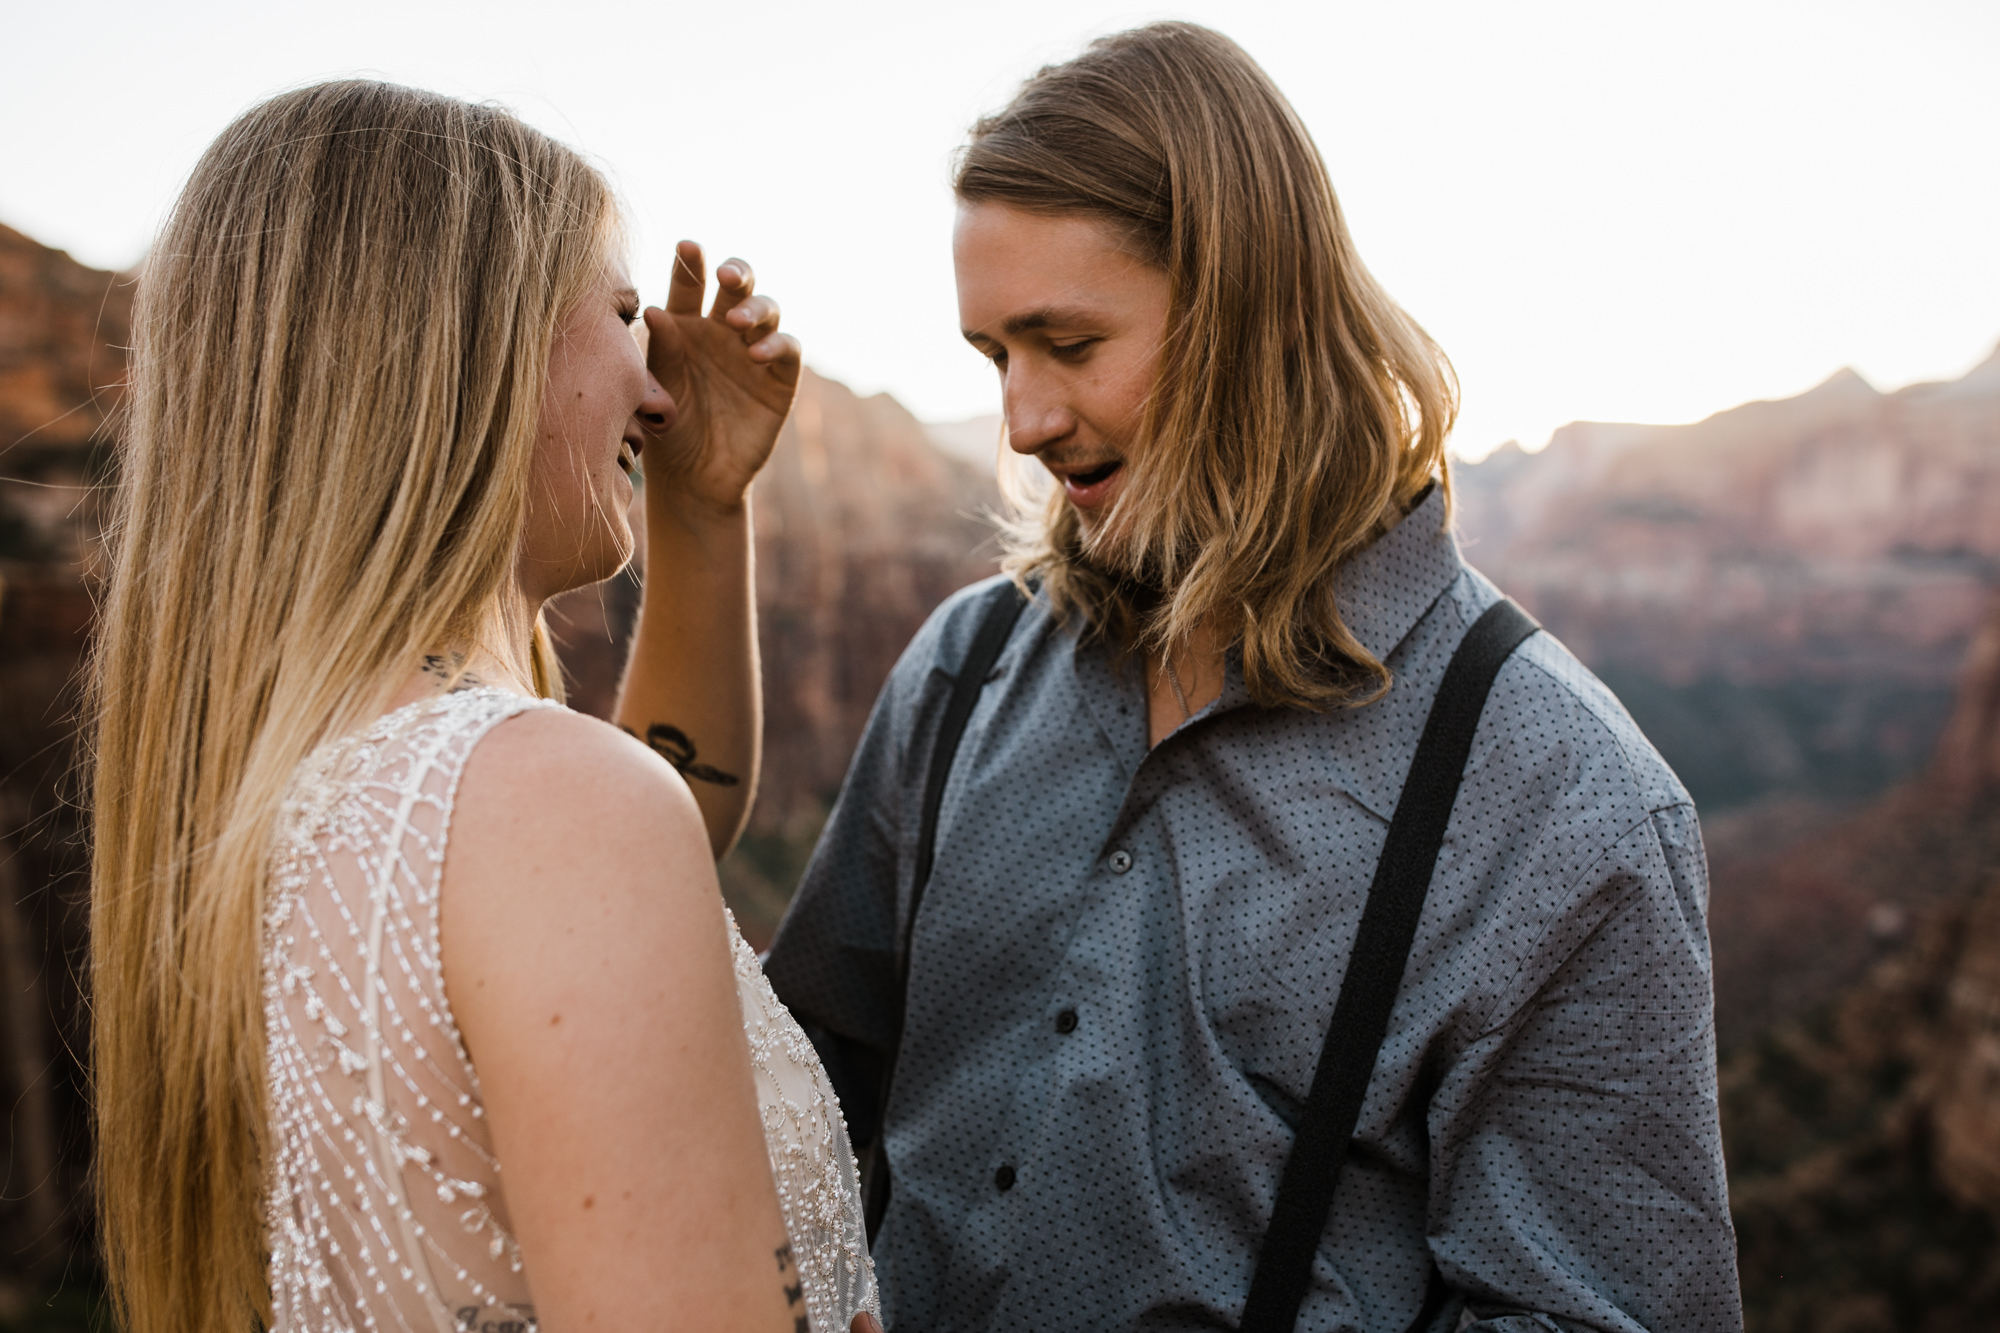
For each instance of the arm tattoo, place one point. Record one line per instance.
(794, 1291)
(673, 745)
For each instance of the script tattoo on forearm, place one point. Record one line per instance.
(795, 1294)
(674, 745)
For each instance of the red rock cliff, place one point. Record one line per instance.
(62, 331)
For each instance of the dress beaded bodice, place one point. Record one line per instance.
(385, 1205)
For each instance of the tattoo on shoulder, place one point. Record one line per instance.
(674, 745)
(795, 1293)
(445, 667)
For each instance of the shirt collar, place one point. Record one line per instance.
(1384, 591)
(1387, 587)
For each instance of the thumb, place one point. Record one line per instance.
(865, 1323)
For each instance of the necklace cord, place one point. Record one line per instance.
(1174, 679)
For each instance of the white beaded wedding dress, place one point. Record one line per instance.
(386, 1208)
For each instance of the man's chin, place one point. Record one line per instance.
(1106, 556)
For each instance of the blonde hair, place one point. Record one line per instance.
(342, 336)
(1298, 411)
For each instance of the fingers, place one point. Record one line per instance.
(734, 282)
(754, 319)
(737, 307)
(735, 285)
(690, 278)
(865, 1323)
(778, 349)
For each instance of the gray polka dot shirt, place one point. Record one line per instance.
(1126, 959)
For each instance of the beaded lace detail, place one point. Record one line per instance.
(811, 1158)
(384, 1204)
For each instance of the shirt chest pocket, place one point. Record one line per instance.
(1269, 958)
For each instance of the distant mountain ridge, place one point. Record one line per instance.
(1781, 593)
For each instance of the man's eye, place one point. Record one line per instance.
(630, 314)
(1072, 351)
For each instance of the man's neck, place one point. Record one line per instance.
(1181, 683)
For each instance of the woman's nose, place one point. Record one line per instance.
(657, 410)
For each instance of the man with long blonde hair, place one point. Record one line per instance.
(1239, 916)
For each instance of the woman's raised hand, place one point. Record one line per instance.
(732, 376)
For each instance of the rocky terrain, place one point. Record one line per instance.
(62, 330)
(1864, 1135)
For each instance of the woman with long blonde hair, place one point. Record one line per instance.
(373, 916)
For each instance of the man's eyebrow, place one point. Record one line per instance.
(625, 294)
(1045, 317)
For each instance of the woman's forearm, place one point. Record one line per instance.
(693, 685)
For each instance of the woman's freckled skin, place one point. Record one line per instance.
(554, 1019)
(590, 1201)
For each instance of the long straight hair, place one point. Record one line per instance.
(342, 336)
(1298, 411)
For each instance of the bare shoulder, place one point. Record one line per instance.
(575, 848)
(549, 775)
(592, 979)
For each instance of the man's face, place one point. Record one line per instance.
(1074, 323)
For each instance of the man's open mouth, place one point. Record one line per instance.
(1089, 490)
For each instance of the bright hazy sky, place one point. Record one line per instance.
(1602, 210)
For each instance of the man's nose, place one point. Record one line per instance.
(1036, 418)
(657, 410)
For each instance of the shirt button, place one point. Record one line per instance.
(1121, 861)
(1066, 1021)
(1004, 1178)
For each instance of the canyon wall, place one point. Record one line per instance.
(1864, 1134)
(63, 328)
(1782, 593)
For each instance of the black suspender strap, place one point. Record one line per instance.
(996, 623)
(1375, 974)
